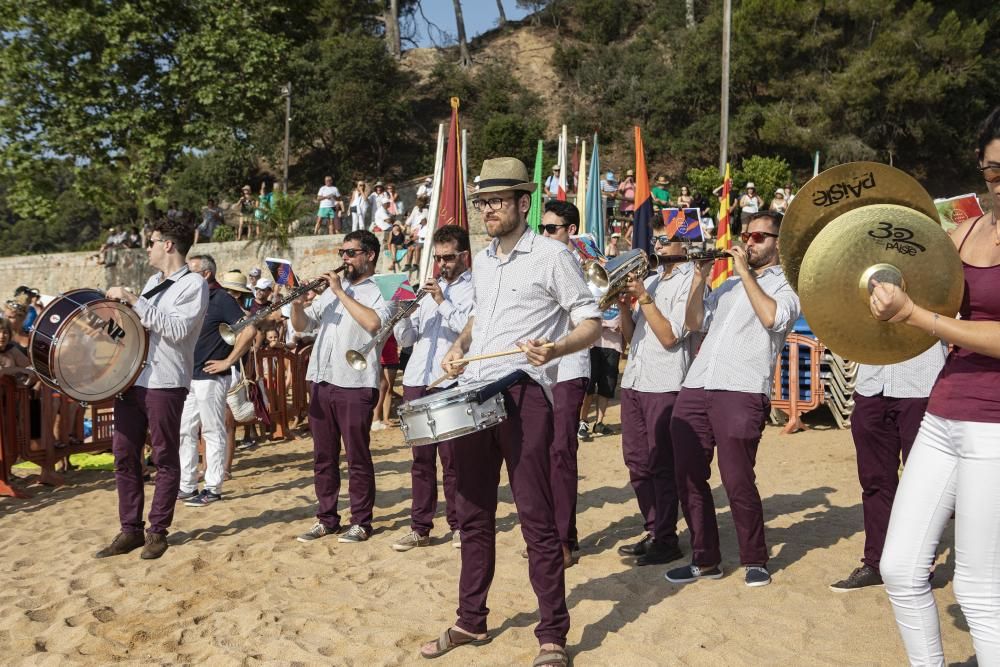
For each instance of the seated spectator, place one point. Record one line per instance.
(114, 240)
(133, 239)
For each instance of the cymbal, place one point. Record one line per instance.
(836, 191)
(892, 244)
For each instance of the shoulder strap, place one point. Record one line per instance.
(149, 294)
(971, 227)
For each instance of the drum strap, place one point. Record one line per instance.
(149, 294)
(503, 384)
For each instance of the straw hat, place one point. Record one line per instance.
(236, 281)
(630, 172)
(504, 173)
(662, 180)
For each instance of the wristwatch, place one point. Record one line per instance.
(644, 300)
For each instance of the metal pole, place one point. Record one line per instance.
(287, 91)
(727, 20)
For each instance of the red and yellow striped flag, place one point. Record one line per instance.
(723, 268)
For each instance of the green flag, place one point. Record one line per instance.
(535, 214)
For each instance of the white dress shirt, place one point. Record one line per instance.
(577, 364)
(652, 367)
(535, 292)
(432, 328)
(337, 332)
(912, 378)
(738, 353)
(173, 318)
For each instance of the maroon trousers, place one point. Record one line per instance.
(733, 421)
(567, 399)
(649, 457)
(522, 442)
(335, 413)
(158, 412)
(884, 430)
(423, 477)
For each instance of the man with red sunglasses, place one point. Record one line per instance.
(724, 404)
(342, 398)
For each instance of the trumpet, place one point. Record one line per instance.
(230, 333)
(612, 278)
(357, 358)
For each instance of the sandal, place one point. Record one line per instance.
(446, 642)
(552, 657)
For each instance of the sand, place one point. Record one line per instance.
(236, 588)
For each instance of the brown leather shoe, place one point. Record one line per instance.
(156, 546)
(122, 544)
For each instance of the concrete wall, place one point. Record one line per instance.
(56, 273)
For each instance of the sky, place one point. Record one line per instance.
(479, 15)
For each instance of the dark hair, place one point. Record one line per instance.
(568, 212)
(988, 131)
(207, 262)
(517, 198)
(452, 234)
(773, 216)
(369, 242)
(178, 231)
(6, 325)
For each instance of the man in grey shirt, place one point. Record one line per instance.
(528, 291)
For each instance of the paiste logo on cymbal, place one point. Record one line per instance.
(896, 238)
(844, 190)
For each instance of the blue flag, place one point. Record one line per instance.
(595, 207)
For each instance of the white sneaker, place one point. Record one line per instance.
(378, 425)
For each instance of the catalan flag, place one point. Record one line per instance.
(451, 208)
(642, 220)
(723, 268)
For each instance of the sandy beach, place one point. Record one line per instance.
(236, 588)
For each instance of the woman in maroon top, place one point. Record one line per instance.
(954, 466)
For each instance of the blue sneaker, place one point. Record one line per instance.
(206, 497)
(757, 575)
(186, 495)
(689, 573)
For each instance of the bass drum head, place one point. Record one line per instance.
(100, 352)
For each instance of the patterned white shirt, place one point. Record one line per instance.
(337, 332)
(173, 318)
(535, 292)
(738, 353)
(577, 364)
(652, 367)
(912, 378)
(432, 328)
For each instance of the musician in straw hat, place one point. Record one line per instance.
(347, 314)
(171, 306)
(528, 290)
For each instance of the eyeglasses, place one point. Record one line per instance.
(662, 240)
(551, 229)
(151, 242)
(757, 237)
(991, 173)
(450, 257)
(494, 203)
(350, 252)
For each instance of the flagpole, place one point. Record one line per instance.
(432, 210)
(465, 159)
(581, 185)
(727, 20)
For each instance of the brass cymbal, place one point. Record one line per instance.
(836, 191)
(892, 244)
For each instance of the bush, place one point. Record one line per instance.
(766, 173)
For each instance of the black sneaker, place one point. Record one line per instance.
(862, 577)
(206, 497)
(637, 549)
(601, 429)
(756, 575)
(186, 495)
(660, 553)
(355, 533)
(317, 531)
(689, 573)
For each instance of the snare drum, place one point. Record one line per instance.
(448, 414)
(87, 346)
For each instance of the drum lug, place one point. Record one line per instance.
(468, 411)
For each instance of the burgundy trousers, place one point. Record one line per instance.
(335, 413)
(522, 441)
(423, 477)
(567, 398)
(884, 430)
(158, 412)
(732, 421)
(649, 457)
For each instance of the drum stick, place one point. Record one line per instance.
(439, 381)
(491, 355)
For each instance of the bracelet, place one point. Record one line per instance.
(934, 325)
(644, 300)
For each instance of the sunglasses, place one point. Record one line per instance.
(450, 257)
(494, 203)
(991, 174)
(350, 252)
(757, 237)
(151, 242)
(551, 229)
(662, 240)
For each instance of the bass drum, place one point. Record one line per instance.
(87, 346)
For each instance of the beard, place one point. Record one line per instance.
(756, 260)
(447, 272)
(500, 226)
(351, 273)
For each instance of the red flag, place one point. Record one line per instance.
(451, 209)
(723, 268)
(571, 176)
(642, 217)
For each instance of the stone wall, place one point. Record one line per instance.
(61, 272)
